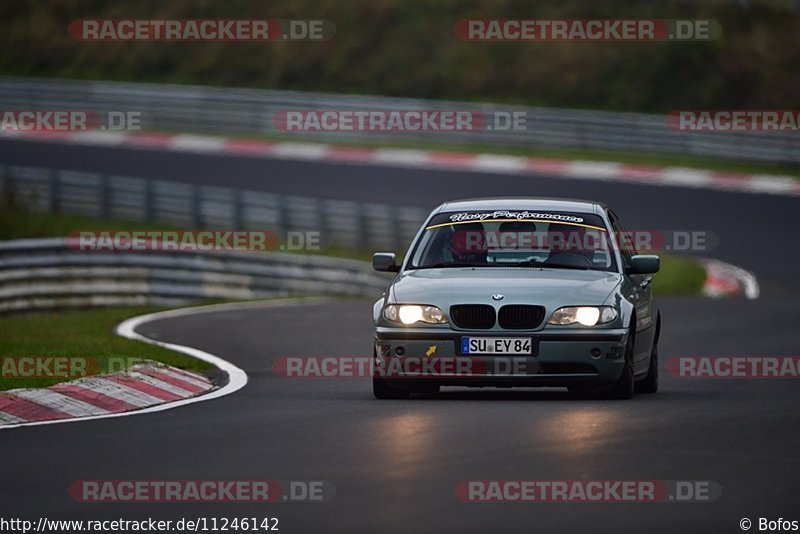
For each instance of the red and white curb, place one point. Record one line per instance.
(430, 159)
(143, 385)
(725, 280)
(148, 389)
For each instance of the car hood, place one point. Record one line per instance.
(551, 288)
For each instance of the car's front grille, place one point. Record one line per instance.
(473, 316)
(521, 317)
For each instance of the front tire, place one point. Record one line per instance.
(650, 382)
(382, 389)
(625, 387)
(425, 387)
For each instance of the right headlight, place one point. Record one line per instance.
(409, 314)
(585, 315)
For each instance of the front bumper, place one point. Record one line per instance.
(566, 357)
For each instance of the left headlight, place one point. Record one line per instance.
(413, 313)
(585, 315)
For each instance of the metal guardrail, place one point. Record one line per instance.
(251, 112)
(46, 274)
(341, 224)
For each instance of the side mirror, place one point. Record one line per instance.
(385, 261)
(642, 264)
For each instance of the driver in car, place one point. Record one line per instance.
(468, 244)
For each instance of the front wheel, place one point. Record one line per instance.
(382, 389)
(425, 387)
(649, 384)
(624, 388)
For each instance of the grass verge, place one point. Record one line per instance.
(86, 335)
(678, 276)
(17, 222)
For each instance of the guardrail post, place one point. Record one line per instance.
(325, 237)
(148, 199)
(281, 215)
(361, 238)
(196, 215)
(238, 209)
(789, 148)
(397, 229)
(105, 197)
(54, 191)
(319, 220)
(7, 187)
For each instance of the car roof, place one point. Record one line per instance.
(522, 203)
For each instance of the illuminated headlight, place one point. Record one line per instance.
(585, 315)
(413, 313)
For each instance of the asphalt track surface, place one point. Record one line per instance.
(395, 463)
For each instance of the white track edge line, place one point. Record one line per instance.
(237, 378)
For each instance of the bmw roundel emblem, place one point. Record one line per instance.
(498, 296)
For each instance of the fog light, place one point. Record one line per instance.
(595, 352)
(399, 351)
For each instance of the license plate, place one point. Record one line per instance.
(496, 345)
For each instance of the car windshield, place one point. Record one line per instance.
(507, 238)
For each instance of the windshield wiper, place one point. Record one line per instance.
(526, 263)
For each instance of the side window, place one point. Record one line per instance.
(623, 239)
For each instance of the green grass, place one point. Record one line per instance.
(79, 333)
(678, 276)
(17, 222)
